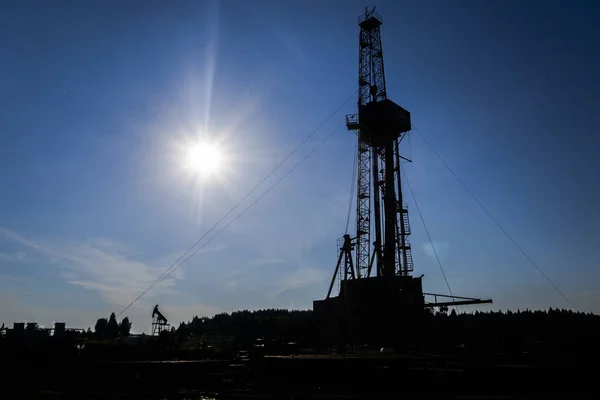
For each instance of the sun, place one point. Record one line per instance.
(204, 158)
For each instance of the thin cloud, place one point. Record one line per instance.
(102, 266)
(319, 222)
(18, 256)
(441, 248)
(300, 278)
(4, 277)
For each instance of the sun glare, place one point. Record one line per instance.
(204, 158)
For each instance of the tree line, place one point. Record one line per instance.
(109, 328)
(246, 326)
(511, 329)
(518, 329)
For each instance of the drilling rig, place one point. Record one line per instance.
(379, 301)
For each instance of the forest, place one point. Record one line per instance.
(515, 331)
(518, 327)
(551, 331)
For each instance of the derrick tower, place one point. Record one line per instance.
(379, 299)
(381, 245)
(380, 125)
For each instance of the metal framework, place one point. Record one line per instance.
(462, 301)
(159, 322)
(379, 300)
(379, 185)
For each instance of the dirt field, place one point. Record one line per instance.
(410, 376)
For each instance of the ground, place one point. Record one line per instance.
(376, 376)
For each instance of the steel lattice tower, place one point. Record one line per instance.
(380, 125)
(384, 305)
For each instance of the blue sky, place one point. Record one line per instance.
(96, 99)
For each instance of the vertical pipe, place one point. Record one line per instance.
(402, 238)
(376, 209)
(389, 204)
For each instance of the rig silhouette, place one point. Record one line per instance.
(379, 301)
(159, 322)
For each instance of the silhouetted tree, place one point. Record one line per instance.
(443, 310)
(100, 329)
(125, 327)
(112, 330)
(183, 331)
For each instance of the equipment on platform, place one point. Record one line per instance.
(379, 301)
(159, 322)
